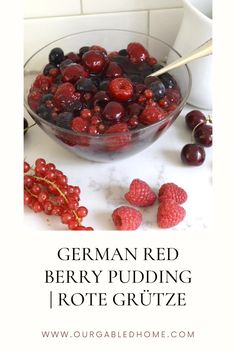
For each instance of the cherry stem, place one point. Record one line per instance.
(209, 119)
(192, 136)
(44, 179)
(30, 126)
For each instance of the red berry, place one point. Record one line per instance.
(140, 194)
(82, 212)
(169, 213)
(42, 197)
(113, 70)
(36, 188)
(126, 218)
(42, 82)
(26, 167)
(117, 142)
(137, 52)
(65, 89)
(37, 206)
(48, 207)
(113, 111)
(67, 217)
(172, 191)
(34, 99)
(193, 118)
(152, 115)
(27, 198)
(73, 225)
(121, 89)
(73, 72)
(86, 113)
(94, 60)
(193, 154)
(40, 162)
(98, 48)
(79, 125)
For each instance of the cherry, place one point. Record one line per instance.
(193, 118)
(193, 154)
(94, 60)
(203, 135)
(113, 111)
(137, 52)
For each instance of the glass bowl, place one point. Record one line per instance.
(107, 147)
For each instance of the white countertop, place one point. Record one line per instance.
(103, 184)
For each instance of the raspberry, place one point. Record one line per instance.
(172, 191)
(34, 99)
(137, 52)
(152, 115)
(121, 89)
(126, 218)
(73, 72)
(169, 214)
(79, 125)
(42, 82)
(140, 194)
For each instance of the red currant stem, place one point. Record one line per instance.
(192, 136)
(30, 126)
(33, 195)
(60, 192)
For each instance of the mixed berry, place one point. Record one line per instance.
(96, 92)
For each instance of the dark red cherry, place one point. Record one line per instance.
(113, 111)
(203, 135)
(193, 154)
(193, 118)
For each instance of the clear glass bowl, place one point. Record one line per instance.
(105, 148)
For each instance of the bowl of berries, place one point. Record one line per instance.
(92, 93)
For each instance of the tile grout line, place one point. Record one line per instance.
(102, 13)
(81, 7)
(148, 22)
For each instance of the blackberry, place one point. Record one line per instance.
(64, 120)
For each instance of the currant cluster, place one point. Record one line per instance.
(46, 189)
(194, 154)
(96, 92)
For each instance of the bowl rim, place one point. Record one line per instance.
(130, 132)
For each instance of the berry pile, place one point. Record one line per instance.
(169, 212)
(201, 126)
(96, 92)
(46, 189)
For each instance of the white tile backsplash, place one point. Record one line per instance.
(164, 24)
(39, 32)
(48, 20)
(45, 8)
(91, 6)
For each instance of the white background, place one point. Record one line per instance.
(25, 256)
